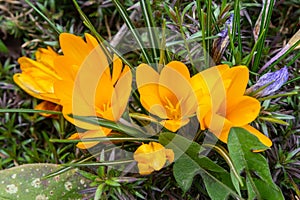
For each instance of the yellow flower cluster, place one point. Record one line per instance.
(216, 94)
(82, 83)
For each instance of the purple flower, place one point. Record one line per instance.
(274, 80)
(220, 44)
(228, 22)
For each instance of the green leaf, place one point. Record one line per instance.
(216, 189)
(26, 182)
(258, 176)
(3, 48)
(235, 182)
(189, 162)
(112, 125)
(184, 171)
(250, 190)
(99, 191)
(181, 146)
(112, 183)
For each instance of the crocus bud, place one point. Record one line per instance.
(220, 44)
(273, 80)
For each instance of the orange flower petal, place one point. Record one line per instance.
(121, 93)
(152, 157)
(175, 84)
(200, 86)
(208, 78)
(236, 80)
(91, 41)
(27, 84)
(36, 80)
(47, 105)
(219, 126)
(262, 138)
(30, 66)
(207, 84)
(150, 100)
(203, 109)
(147, 83)
(180, 67)
(90, 134)
(36, 87)
(146, 75)
(243, 111)
(102, 95)
(67, 69)
(169, 94)
(74, 136)
(176, 89)
(74, 47)
(73, 103)
(145, 169)
(46, 57)
(117, 69)
(174, 125)
(170, 155)
(63, 90)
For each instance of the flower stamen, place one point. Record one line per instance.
(173, 111)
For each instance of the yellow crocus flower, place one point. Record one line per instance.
(152, 156)
(87, 86)
(168, 95)
(38, 77)
(222, 103)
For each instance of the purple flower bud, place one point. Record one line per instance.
(228, 22)
(274, 79)
(220, 44)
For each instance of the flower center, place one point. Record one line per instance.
(103, 108)
(173, 111)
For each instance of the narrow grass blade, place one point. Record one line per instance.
(180, 23)
(136, 35)
(294, 59)
(250, 57)
(150, 25)
(102, 139)
(201, 20)
(21, 110)
(208, 28)
(267, 13)
(108, 163)
(112, 125)
(102, 42)
(43, 16)
(65, 169)
(90, 26)
(236, 32)
(278, 95)
(279, 56)
(162, 54)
